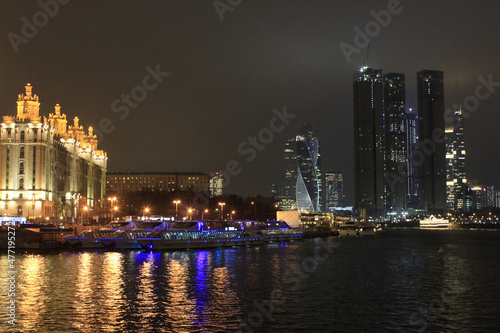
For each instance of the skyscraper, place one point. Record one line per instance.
(289, 201)
(456, 181)
(368, 142)
(334, 181)
(432, 171)
(308, 186)
(395, 142)
(412, 180)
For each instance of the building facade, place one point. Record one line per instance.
(432, 171)
(47, 168)
(123, 182)
(395, 157)
(368, 142)
(334, 189)
(217, 183)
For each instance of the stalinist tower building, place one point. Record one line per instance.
(47, 167)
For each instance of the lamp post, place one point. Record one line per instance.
(221, 204)
(203, 212)
(255, 208)
(111, 204)
(176, 202)
(146, 211)
(231, 216)
(190, 216)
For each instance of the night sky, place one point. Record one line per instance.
(226, 77)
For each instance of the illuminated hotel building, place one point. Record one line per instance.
(47, 168)
(456, 182)
(123, 182)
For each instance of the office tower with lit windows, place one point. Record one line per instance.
(432, 171)
(395, 160)
(289, 200)
(334, 189)
(308, 185)
(412, 181)
(368, 142)
(456, 181)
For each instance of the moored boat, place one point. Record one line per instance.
(90, 239)
(348, 229)
(127, 239)
(434, 223)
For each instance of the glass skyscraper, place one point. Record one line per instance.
(456, 182)
(334, 183)
(432, 172)
(395, 142)
(368, 142)
(308, 181)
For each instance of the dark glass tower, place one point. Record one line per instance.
(308, 186)
(368, 142)
(395, 142)
(432, 169)
(334, 181)
(412, 167)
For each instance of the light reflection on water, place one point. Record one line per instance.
(211, 290)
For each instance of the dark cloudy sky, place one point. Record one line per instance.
(227, 76)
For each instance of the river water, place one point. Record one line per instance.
(399, 281)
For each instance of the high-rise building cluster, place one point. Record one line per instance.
(306, 187)
(47, 168)
(399, 157)
(406, 162)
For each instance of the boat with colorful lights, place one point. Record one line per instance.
(127, 239)
(89, 239)
(434, 223)
(219, 234)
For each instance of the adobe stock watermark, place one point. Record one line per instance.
(30, 28)
(372, 29)
(423, 315)
(292, 279)
(249, 148)
(128, 101)
(223, 6)
(471, 103)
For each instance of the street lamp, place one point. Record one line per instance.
(255, 207)
(221, 204)
(86, 209)
(203, 212)
(111, 206)
(146, 211)
(189, 214)
(232, 215)
(176, 202)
